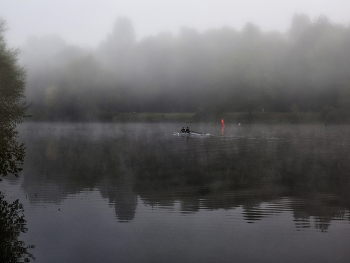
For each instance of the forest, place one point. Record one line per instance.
(215, 72)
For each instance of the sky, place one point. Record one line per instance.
(87, 22)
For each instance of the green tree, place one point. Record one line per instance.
(12, 84)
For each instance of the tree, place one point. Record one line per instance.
(300, 24)
(12, 224)
(123, 32)
(12, 84)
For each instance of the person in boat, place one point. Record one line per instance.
(183, 130)
(188, 130)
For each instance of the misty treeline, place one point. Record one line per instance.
(306, 69)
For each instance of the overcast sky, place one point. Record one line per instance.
(87, 22)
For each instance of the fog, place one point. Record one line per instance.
(87, 22)
(92, 61)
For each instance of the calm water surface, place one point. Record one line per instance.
(139, 193)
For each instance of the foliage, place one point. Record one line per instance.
(209, 73)
(12, 223)
(12, 83)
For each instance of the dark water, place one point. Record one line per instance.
(138, 193)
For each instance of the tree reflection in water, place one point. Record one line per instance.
(12, 224)
(304, 174)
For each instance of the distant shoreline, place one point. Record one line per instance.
(231, 117)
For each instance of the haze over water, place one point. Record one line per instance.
(139, 193)
(100, 186)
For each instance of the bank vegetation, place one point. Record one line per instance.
(302, 75)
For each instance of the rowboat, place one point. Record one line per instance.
(191, 134)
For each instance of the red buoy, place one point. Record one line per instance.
(222, 123)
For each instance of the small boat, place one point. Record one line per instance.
(191, 134)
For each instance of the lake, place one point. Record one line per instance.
(132, 192)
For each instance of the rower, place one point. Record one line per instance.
(183, 129)
(188, 130)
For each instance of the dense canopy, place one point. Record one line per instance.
(12, 111)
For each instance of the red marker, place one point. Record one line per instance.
(222, 127)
